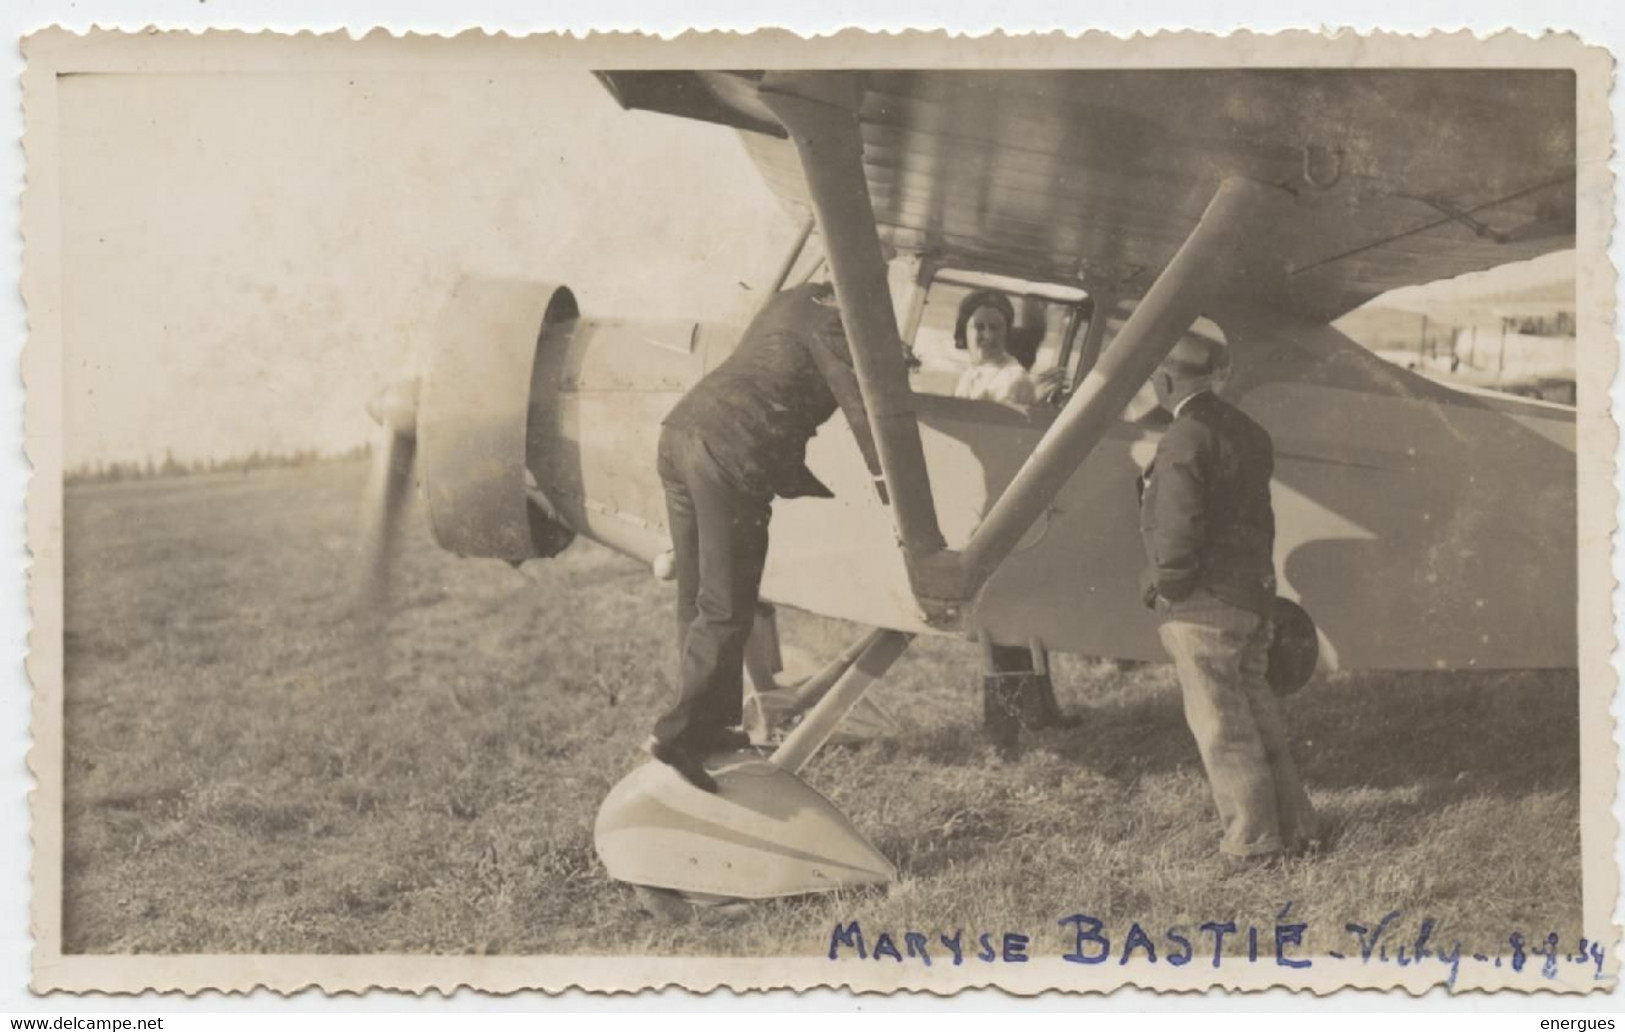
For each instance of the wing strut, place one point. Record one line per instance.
(880, 651)
(819, 112)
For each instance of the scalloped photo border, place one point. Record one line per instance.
(53, 52)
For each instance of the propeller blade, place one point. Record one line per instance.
(389, 491)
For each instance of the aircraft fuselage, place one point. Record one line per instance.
(1421, 527)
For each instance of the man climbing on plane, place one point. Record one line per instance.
(733, 443)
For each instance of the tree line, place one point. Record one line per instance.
(150, 468)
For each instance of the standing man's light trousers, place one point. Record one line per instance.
(1221, 653)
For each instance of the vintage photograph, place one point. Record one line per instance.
(882, 512)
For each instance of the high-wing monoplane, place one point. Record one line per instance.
(1422, 527)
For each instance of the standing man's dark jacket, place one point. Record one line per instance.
(1205, 514)
(757, 410)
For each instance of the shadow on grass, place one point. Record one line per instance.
(1454, 734)
(1503, 733)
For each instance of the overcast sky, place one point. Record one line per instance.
(246, 255)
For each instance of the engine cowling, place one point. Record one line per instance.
(474, 417)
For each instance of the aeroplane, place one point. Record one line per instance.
(1508, 330)
(1422, 527)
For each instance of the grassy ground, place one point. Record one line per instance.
(245, 772)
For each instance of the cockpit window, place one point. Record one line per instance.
(1043, 318)
(1049, 337)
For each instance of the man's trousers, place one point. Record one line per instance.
(719, 541)
(1221, 652)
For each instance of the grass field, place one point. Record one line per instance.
(245, 772)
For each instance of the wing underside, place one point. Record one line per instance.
(1401, 176)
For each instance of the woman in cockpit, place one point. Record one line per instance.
(984, 327)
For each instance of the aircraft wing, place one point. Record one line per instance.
(1403, 176)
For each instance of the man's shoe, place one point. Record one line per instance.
(685, 763)
(1252, 864)
(724, 739)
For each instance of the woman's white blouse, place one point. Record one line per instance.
(1004, 381)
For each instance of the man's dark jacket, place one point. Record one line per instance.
(757, 410)
(1205, 512)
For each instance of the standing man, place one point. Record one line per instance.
(737, 439)
(1209, 534)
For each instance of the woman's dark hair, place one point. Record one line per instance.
(982, 299)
